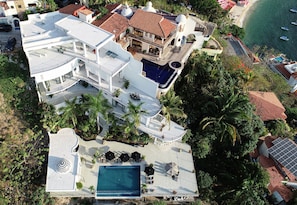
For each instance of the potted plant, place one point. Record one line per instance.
(79, 185)
(117, 92)
(92, 189)
(144, 188)
(126, 84)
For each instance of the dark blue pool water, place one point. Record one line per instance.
(157, 73)
(118, 181)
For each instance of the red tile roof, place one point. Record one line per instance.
(275, 178)
(86, 11)
(268, 107)
(281, 68)
(113, 23)
(111, 7)
(152, 23)
(72, 9)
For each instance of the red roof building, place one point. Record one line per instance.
(268, 106)
(72, 9)
(277, 173)
(113, 23)
(152, 23)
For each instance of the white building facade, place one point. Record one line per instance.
(65, 52)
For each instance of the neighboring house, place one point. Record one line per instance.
(16, 7)
(287, 69)
(115, 24)
(277, 157)
(268, 106)
(155, 34)
(64, 51)
(12, 11)
(226, 4)
(72, 9)
(150, 32)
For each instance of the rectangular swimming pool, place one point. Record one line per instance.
(279, 59)
(118, 182)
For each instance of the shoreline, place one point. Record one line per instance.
(239, 14)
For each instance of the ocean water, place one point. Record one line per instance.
(262, 26)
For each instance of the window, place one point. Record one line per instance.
(31, 5)
(12, 7)
(19, 6)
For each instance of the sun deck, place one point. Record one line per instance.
(184, 186)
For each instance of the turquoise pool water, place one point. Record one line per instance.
(279, 59)
(118, 181)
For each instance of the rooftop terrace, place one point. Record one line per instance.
(184, 186)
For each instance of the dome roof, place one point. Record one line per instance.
(149, 7)
(127, 11)
(181, 18)
(63, 166)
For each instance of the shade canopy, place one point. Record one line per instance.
(136, 156)
(149, 170)
(172, 168)
(109, 155)
(124, 157)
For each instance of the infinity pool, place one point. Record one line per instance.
(118, 182)
(161, 74)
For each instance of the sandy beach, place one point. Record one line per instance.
(239, 13)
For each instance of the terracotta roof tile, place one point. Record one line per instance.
(275, 178)
(268, 107)
(152, 23)
(111, 7)
(281, 68)
(71, 9)
(86, 11)
(113, 23)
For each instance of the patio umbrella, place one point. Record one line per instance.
(149, 170)
(124, 157)
(109, 155)
(136, 156)
(171, 168)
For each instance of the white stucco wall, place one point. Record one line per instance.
(138, 80)
(12, 9)
(55, 73)
(263, 149)
(189, 26)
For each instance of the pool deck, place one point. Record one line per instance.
(159, 155)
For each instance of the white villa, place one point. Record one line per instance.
(286, 68)
(69, 57)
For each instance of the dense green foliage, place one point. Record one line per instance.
(22, 149)
(222, 126)
(209, 8)
(225, 129)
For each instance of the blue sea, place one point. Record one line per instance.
(262, 26)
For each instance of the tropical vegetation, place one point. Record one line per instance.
(210, 99)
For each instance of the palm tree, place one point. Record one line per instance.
(171, 106)
(224, 111)
(70, 112)
(132, 118)
(134, 113)
(96, 104)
